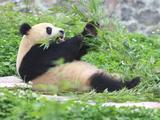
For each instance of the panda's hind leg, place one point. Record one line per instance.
(101, 81)
(131, 84)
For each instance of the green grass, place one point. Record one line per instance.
(114, 50)
(25, 106)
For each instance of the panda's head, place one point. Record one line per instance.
(42, 31)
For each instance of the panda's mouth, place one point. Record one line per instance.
(60, 39)
(57, 38)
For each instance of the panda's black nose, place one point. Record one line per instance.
(61, 32)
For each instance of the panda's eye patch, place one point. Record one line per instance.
(49, 30)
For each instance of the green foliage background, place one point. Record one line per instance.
(115, 51)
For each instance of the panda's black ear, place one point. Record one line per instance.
(24, 28)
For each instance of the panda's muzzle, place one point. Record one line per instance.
(60, 37)
(61, 32)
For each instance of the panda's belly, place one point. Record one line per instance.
(75, 74)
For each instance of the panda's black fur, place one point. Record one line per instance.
(68, 50)
(37, 60)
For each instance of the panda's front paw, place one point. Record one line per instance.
(90, 30)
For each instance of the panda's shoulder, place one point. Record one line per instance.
(37, 48)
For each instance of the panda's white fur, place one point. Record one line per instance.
(74, 71)
(80, 74)
(36, 33)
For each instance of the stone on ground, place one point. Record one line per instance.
(12, 82)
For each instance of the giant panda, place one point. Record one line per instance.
(37, 64)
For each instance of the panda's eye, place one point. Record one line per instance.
(49, 30)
